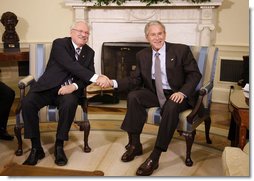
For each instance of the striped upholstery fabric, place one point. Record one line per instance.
(50, 114)
(206, 59)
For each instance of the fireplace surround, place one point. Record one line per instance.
(118, 60)
(188, 23)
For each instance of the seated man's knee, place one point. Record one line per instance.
(171, 107)
(133, 96)
(69, 101)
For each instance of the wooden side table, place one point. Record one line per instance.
(21, 59)
(240, 113)
(22, 55)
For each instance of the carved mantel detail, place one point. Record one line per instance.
(137, 3)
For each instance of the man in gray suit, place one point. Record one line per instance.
(179, 76)
(69, 70)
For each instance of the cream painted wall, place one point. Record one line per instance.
(39, 21)
(233, 23)
(232, 39)
(43, 21)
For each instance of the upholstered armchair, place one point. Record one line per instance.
(190, 119)
(38, 58)
(236, 161)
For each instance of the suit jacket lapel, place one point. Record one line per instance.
(148, 66)
(71, 49)
(83, 54)
(170, 60)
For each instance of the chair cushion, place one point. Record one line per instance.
(246, 148)
(50, 113)
(235, 162)
(153, 117)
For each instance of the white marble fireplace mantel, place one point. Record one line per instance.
(189, 23)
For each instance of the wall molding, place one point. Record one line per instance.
(232, 52)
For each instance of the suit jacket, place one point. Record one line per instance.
(62, 64)
(181, 67)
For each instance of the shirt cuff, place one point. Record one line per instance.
(76, 86)
(183, 94)
(94, 78)
(115, 85)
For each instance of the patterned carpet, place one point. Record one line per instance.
(107, 148)
(107, 141)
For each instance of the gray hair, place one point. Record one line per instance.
(77, 22)
(154, 22)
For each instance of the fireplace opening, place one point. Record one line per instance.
(118, 60)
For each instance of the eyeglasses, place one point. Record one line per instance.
(81, 31)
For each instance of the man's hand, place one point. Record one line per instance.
(67, 89)
(104, 82)
(177, 97)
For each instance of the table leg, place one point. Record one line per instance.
(244, 125)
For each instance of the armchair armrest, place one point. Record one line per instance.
(207, 87)
(204, 90)
(23, 83)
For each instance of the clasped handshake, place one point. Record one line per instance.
(104, 82)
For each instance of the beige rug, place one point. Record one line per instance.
(107, 148)
(107, 142)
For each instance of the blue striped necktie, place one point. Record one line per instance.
(77, 52)
(70, 80)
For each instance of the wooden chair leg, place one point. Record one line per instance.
(85, 127)
(87, 149)
(207, 130)
(17, 131)
(189, 138)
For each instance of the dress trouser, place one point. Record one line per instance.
(7, 96)
(34, 101)
(137, 103)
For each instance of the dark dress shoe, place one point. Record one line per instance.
(131, 152)
(147, 167)
(60, 157)
(127, 146)
(35, 155)
(5, 136)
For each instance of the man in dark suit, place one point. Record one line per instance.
(179, 76)
(69, 70)
(7, 96)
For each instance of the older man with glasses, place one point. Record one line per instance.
(69, 70)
